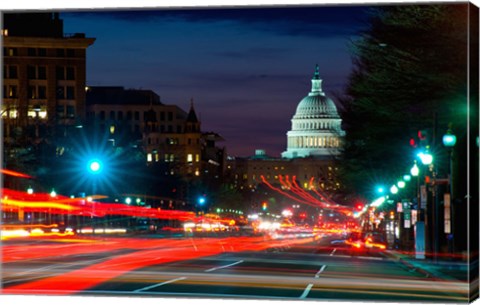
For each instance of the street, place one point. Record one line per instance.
(314, 268)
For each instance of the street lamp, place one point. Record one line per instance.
(394, 189)
(426, 158)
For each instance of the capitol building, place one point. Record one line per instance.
(316, 126)
(314, 144)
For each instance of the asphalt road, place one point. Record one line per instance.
(236, 267)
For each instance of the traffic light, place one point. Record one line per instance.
(359, 206)
(424, 137)
(264, 206)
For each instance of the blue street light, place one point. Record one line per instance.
(94, 166)
(380, 189)
(201, 200)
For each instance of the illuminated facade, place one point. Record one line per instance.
(44, 72)
(313, 144)
(166, 133)
(316, 126)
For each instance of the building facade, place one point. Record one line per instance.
(313, 145)
(165, 133)
(316, 126)
(44, 76)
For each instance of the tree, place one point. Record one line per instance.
(409, 74)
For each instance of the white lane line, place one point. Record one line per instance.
(371, 258)
(306, 291)
(331, 254)
(226, 266)
(160, 284)
(320, 271)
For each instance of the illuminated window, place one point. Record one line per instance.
(112, 129)
(197, 172)
(305, 185)
(149, 157)
(197, 158)
(172, 157)
(157, 157)
(189, 158)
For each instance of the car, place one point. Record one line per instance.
(375, 241)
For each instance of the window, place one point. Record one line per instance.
(60, 52)
(70, 53)
(170, 128)
(112, 115)
(189, 141)
(129, 115)
(42, 92)
(60, 93)
(170, 116)
(197, 158)
(42, 52)
(10, 72)
(70, 111)
(120, 115)
(42, 72)
(32, 92)
(137, 115)
(162, 116)
(70, 73)
(60, 72)
(70, 93)
(60, 111)
(32, 52)
(189, 158)
(10, 52)
(12, 92)
(102, 115)
(179, 129)
(31, 73)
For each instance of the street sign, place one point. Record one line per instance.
(419, 240)
(446, 211)
(423, 197)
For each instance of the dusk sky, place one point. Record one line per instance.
(246, 69)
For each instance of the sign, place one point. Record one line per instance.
(423, 196)
(419, 234)
(414, 217)
(446, 213)
(406, 223)
(399, 207)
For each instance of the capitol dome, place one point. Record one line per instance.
(316, 126)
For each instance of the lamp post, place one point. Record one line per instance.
(449, 141)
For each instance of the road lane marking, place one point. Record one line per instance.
(320, 271)
(371, 258)
(331, 254)
(226, 266)
(160, 284)
(306, 291)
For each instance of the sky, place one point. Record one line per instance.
(246, 69)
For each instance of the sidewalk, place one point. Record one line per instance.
(440, 269)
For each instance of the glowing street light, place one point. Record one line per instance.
(407, 178)
(30, 190)
(426, 158)
(401, 184)
(394, 189)
(414, 170)
(94, 166)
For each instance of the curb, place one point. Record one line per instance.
(411, 267)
